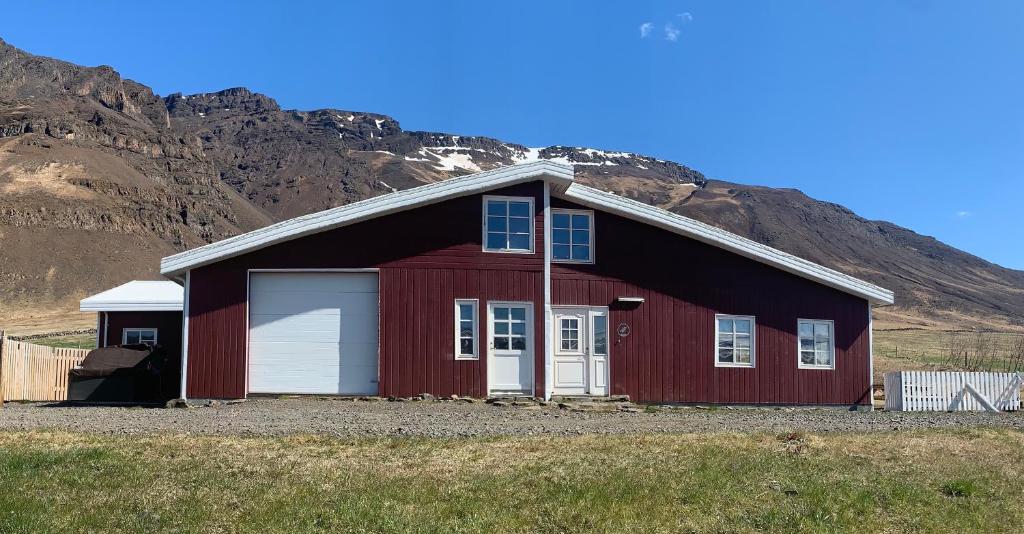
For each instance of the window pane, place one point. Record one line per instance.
(823, 358)
(496, 224)
(466, 329)
(519, 242)
(806, 330)
(600, 334)
(501, 313)
(519, 343)
(742, 341)
(466, 312)
(519, 209)
(566, 323)
(519, 225)
(560, 252)
(501, 328)
(574, 344)
(807, 357)
(581, 237)
(725, 355)
(725, 325)
(519, 314)
(495, 240)
(560, 220)
(131, 338)
(743, 325)
(519, 329)
(821, 330)
(560, 237)
(725, 340)
(496, 207)
(821, 346)
(742, 355)
(148, 335)
(581, 253)
(466, 347)
(580, 222)
(806, 344)
(501, 343)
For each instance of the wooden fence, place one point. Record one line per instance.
(930, 391)
(35, 373)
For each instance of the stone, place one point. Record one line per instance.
(176, 403)
(427, 397)
(498, 403)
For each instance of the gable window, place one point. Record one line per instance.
(139, 336)
(816, 344)
(508, 224)
(572, 236)
(734, 341)
(466, 331)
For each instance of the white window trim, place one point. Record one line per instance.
(124, 334)
(533, 224)
(475, 303)
(831, 345)
(753, 342)
(590, 234)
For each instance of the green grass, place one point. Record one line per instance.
(78, 341)
(880, 482)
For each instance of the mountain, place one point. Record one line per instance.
(100, 177)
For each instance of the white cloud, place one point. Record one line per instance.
(963, 214)
(645, 29)
(671, 32)
(687, 17)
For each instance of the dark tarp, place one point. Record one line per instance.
(107, 361)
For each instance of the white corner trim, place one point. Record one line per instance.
(549, 342)
(184, 337)
(871, 361)
(365, 210)
(666, 220)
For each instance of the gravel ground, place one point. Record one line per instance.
(343, 417)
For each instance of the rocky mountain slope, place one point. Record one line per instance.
(99, 178)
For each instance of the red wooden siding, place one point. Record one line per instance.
(167, 323)
(669, 355)
(427, 258)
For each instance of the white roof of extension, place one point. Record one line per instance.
(137, 295)
(560, 176)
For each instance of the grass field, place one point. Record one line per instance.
(971, 480)
(78, 341)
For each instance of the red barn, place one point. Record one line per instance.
(519, 281)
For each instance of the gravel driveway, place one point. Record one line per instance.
(343, 417)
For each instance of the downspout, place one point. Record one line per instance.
(871, 360)
(184, 337)
(106, 328)
(548, 332)
(99, 326)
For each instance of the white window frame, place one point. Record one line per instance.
(475, 304)
(580, 321)
(831, 345)
(753, 341)
(124, 334)
(533, 224)
(590, 234)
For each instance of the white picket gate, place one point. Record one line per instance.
(930, 391)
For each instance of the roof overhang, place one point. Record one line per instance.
(559, 175)
(138, 295)
(666, 220)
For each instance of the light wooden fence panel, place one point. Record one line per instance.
(918, 391)
(32, 372)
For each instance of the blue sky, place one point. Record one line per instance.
(904, 111)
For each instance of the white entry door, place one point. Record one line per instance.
(510, 348)
(313, 332)
(581, 351)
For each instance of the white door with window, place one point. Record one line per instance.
(510, 348)
(581, 351)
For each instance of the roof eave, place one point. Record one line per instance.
(711, 235)
(559, 175)
(129, 306)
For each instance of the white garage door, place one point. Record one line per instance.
(313, 333)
